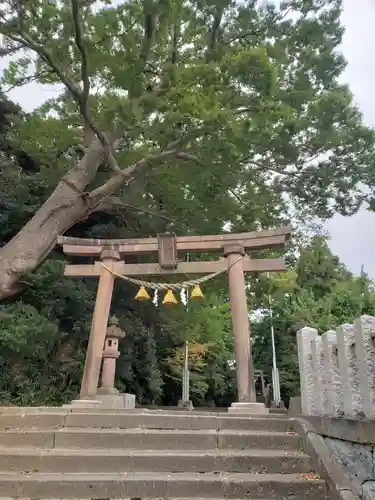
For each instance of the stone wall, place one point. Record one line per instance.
(337, 372)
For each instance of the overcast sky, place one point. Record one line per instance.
(353, 239)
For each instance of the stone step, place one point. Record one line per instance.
(151, 485)
(149, 439)
(93, 461)
(128, 498)
(156, 420)
(138, 409)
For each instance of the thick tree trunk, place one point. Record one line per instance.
(36, 239)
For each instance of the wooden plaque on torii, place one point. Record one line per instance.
(234, 248)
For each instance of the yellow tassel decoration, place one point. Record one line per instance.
(142, 294)
(196, 293)
(169, 298)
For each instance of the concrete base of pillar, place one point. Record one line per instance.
(280, 406)
(116, 401)
(185, 405)
(106, 401)
(248, 408)
(83, 403)
(295, 409)
(108, 390)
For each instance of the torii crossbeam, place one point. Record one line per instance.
(235, 259)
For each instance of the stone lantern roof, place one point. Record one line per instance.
(113, 329)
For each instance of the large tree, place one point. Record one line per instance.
(230, 106)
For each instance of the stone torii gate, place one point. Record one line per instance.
(234, 247)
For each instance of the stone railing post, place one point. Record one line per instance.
(364, 330)
(307, 379)
(335, 400)
(348, 366)
(318, 373)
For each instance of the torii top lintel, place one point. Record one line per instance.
(255, 240)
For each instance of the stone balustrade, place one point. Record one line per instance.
(337, 370)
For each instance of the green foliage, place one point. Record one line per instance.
(207, 328)
(318, 270)
(140, 373)
(27, 342)
(24, 330)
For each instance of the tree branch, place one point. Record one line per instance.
(190, 157)
(25, 80)
(78, 32)
(112, 203)
(127, 173)
(28, 42)
(214, 32)
(149, 28)
(175, 41)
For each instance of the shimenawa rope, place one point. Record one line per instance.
(171, 286)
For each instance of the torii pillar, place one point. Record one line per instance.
(95, 346)
(240, 320)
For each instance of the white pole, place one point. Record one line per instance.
(275, 371)
(185, 371)
(186, 355)
(185, 375)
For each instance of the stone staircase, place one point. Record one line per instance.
(92, 454)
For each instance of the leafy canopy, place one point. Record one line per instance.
(238, 103)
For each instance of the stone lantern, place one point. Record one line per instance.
(110, 355)
(107, 396)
